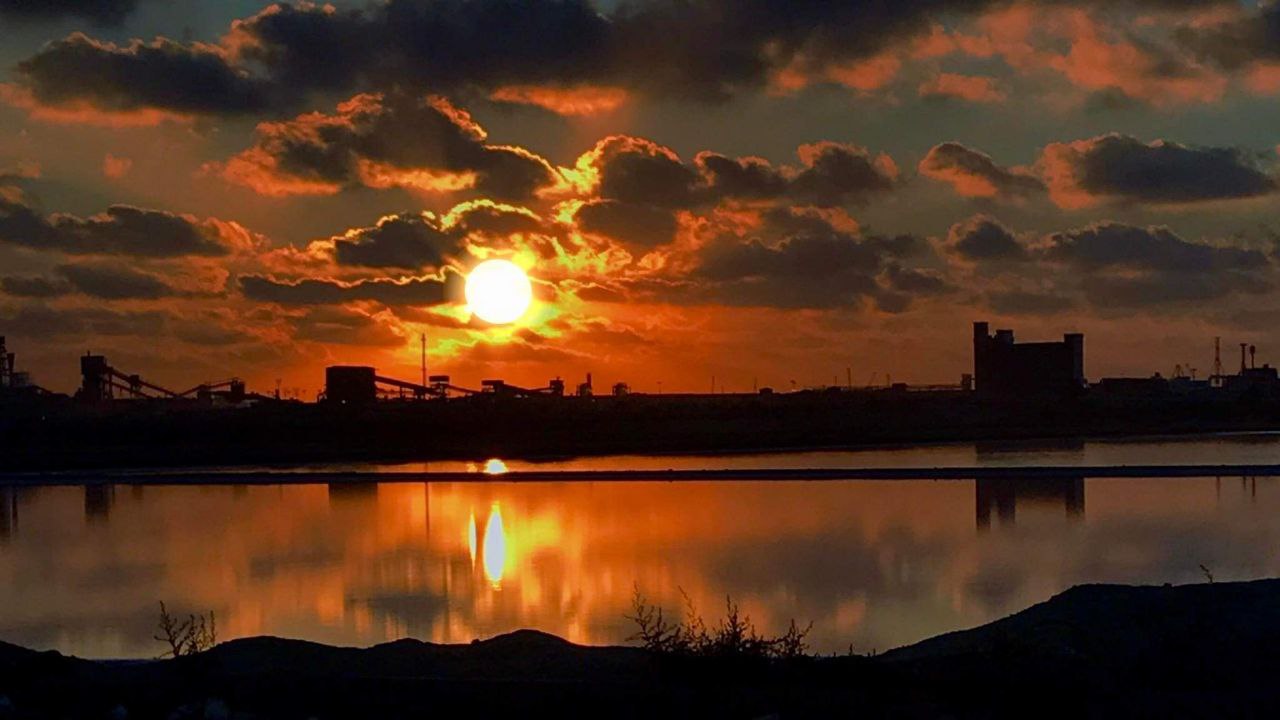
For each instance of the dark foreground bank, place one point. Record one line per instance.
(1100, 651)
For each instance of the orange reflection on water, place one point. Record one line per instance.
(495, 547)
(471, 537)
(873, 563)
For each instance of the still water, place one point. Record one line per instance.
(875, 564)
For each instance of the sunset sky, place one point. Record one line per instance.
(764, 191)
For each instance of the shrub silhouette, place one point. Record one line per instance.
(734, 636)
(193, 635)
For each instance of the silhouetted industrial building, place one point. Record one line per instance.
(1003, 367)
(350, 384)
(95, 379)
(10, 378)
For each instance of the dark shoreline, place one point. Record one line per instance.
(292, 477)
(71, 437)
(1092, 651)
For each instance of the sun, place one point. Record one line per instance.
(498, 291)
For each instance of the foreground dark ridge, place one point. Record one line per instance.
(307, 477)
(1097, 651)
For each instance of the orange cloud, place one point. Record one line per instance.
(26, 169)
(1058, 165)
(973, 88)
(582, 100)
(260, 171)
(1096, 63)
(383, 176)
(116, 167)
(82, 113)
(1264, 79)
(867, 75)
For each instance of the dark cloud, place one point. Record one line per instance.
(641, 172)
(982, 238)
(803, 257)
(121, 230)
(1111, 245)
(594, 292)
(403, 241)
(813, 268)
(102, 12)
(209, 330)
(1238, 41)
(413, 291)
(898, 246)
(1125, 168)
(114, 282)
(1112, 265)
(43, 322)
(161, 75)
(639, 226)
(708, 49)
(339, 326)
(1019, 302)
(486, 218)
(1156, 290)
(975, 174)
(308, 47)
(395, 141)
(742, 178)
(837, 174)
(705, 49)
(434, 44)
(915, 282)
(33, 287)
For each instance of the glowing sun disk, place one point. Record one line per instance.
(498, 291)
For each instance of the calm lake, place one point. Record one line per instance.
(875, 564)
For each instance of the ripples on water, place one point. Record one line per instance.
(873, 563)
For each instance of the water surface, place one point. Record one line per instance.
(874, 564)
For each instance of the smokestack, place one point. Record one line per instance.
(1243, 348)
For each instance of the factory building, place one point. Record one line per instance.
(1005, 368)
(350, 384)
(10, 378)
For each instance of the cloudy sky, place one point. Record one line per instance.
(764, 191)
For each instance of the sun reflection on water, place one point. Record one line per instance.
(471, 536)
(495, 547)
